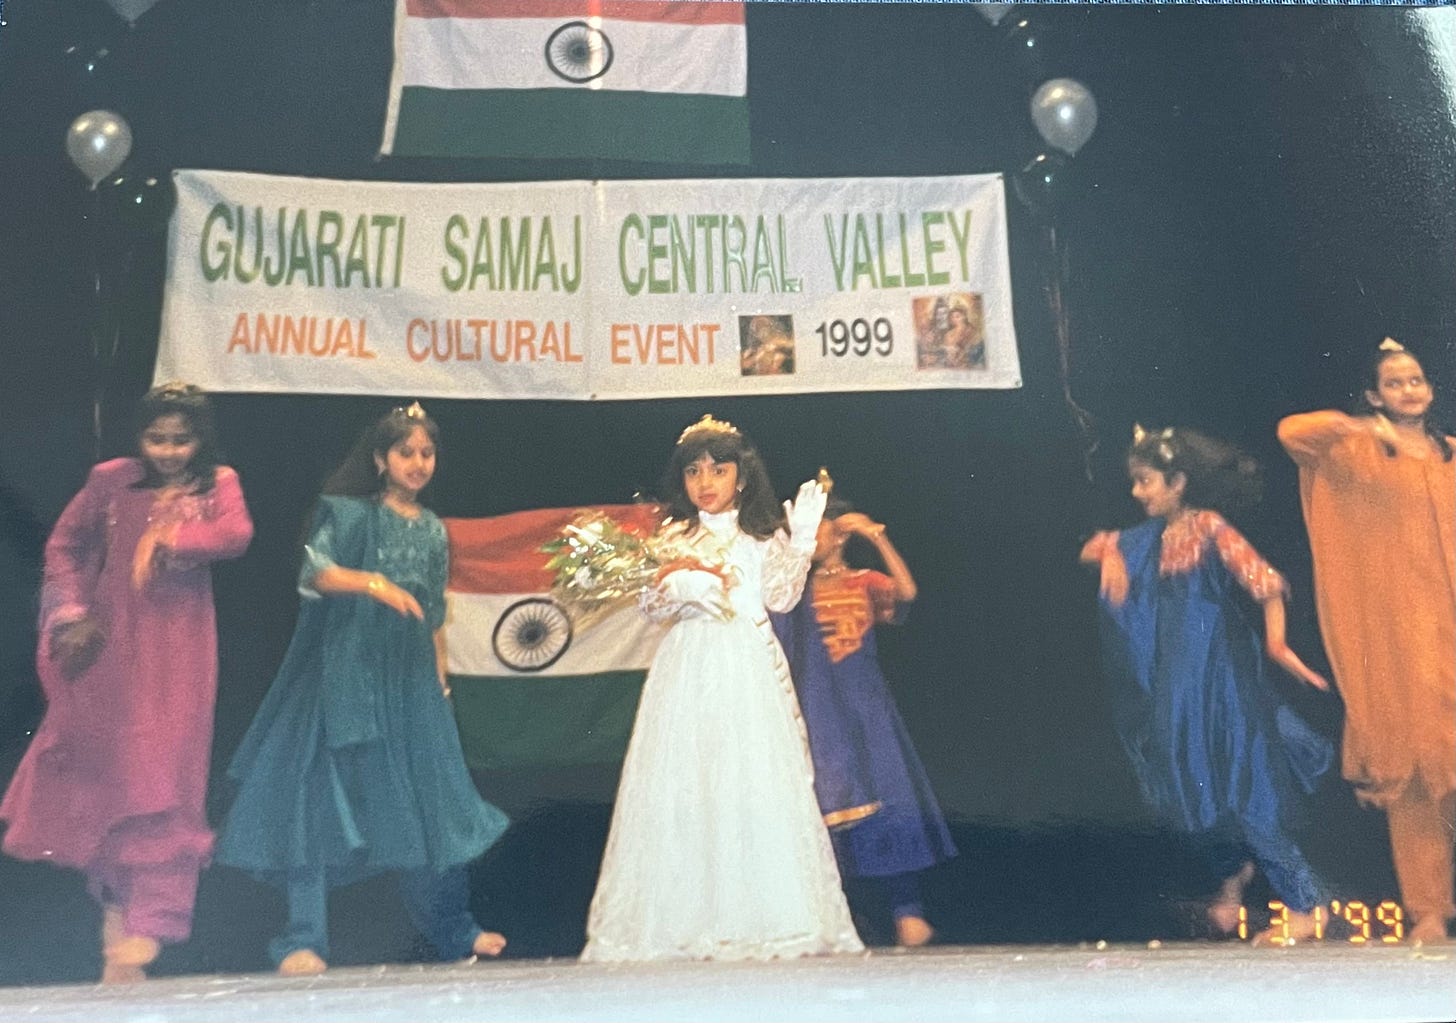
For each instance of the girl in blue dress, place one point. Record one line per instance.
(872, 789)
(353, 764)
(1215, 751)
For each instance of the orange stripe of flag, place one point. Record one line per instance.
(502, 554)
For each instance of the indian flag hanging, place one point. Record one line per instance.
(615, 79)
(530, 689)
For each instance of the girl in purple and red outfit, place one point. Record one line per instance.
(1215, 749)
(872, 789)
(114, 782)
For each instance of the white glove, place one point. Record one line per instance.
(804, 515)
(699, 589)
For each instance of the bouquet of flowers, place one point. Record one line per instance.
(600, 565)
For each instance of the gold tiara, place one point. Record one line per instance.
(1390, 344)
(412, 411)
(709, 425)
(175, 389)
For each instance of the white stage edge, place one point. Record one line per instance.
(1208, 983)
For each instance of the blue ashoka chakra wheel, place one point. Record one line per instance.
(578, 52)
(531, 634)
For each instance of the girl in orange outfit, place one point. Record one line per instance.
(1379, 497)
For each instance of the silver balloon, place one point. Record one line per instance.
(131, 10)
(98, 143)
(993, 12)
(1065, 114)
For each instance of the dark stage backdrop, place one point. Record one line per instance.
(1267, 194)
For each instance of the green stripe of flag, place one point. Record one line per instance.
(572, 123)
(514, 721)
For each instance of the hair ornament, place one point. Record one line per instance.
(824, 480)
(709, 425)
(1390, 344)
(412, 411)
(1164, 437)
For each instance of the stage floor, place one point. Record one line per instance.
(1185, 981)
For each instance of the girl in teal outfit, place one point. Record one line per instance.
(353, 763)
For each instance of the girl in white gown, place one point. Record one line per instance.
(717, 849)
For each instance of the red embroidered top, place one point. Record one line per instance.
(848, 605)
(1187, 540)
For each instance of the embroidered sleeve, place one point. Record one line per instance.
(656, 605)
(1254, 574)
(222, 527)
(881, 591)
(785, 570)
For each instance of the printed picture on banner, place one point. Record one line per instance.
(765, 345)
(950, 331)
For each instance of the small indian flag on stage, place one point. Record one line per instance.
(559, 79)
(530, 689)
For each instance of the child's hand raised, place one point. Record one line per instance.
(1113, 581)
(860, 524)
(805, 513)
(1102, 550)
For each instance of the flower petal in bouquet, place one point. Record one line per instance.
(598, 566)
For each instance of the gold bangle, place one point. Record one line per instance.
(376, 584)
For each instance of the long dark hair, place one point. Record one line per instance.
(1219, 476)
(1370, 381)
(188, 401)
(759, 512)
(358, 475)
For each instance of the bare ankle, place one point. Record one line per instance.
(126, 957)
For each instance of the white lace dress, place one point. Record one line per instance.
(717, 849)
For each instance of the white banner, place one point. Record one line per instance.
(586, 290)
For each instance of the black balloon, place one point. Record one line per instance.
(1044, 184)
(86, 67)
(139, 203)
(1028, 43)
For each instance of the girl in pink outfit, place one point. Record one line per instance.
(114, 782)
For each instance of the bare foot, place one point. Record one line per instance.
(1298, 927)
(913, 931)
(1428, 930)
(303, 962)
(1223, 917)
(488, 943)
(1223, 912)
(125, 959)
(116, 973)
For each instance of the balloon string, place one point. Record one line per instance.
(1057, 267)
(98, 325)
